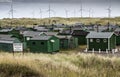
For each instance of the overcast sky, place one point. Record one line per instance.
(30, 8)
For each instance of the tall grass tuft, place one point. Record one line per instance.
(58, 65)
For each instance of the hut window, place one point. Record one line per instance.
(33, 43)
(104, 40)
(42, 43)
(91, 40)
(97, 40)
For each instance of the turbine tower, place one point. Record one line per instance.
(11, 9)
(50, 10)
(109, 9)
(66, 12)
(89, 11)
(81, 8)
(33, 14)
(74, 13)
(109, 12)
(40, 13)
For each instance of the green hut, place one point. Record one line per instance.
(7, 43)
(101, 40)
(81, 35)
(43, 43)
(67, 42)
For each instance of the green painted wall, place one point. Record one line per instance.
(6, 47)
(37, 46)
(68, 43)
(81, 40)
(112, 42)
(98, 45)
(102, 45)
(53, 46)
(64, 44)
(43, 45)
(117, 40)
(76, 42)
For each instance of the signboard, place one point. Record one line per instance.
(17, 47)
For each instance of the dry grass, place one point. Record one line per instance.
(58, 65)
(46, 21)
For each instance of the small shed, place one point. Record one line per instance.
(43, 43)
(7, 42)
(81, 35)
(67, 42)
(101, 40)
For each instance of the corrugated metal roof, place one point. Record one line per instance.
(99, 35)
(7, 40)
(41, 38)
(6, 30)
(117, 29)
(63, 37)
(5, 36)
(51, 33)
(31, 33)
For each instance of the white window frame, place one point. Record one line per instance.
(104, 40)
(91, 40)
(98, 40)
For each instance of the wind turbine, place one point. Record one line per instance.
(66, 12)
(54, 13)
(74, 12)
(89, 11)
(109, 11)
(81, 8)
(50, 10)
(11, 9)
(40, 13)
(11, 12)
(92, 12)
(33, 14)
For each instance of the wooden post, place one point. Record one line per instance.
(86, 50)
(93, 50)
(99, 50)
(23, 52)
(113, 51)
(13, 53)
(107, 51)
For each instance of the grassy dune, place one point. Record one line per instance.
(46, 21)
(58, 65)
